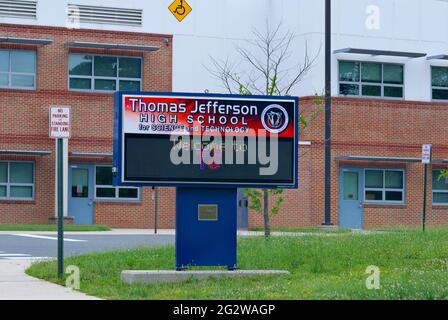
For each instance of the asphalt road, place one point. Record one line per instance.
(25, 246)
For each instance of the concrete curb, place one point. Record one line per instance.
(167, 276)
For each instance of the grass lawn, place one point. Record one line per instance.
(413, 266)
(304, 230)
(51, 227)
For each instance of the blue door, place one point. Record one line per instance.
(80, 200)
(351, 199)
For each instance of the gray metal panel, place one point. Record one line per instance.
(90, 155)
(438, 57)
(381, 53)
(98, 45)
(378, 159)
(25, 152)
(26, 41)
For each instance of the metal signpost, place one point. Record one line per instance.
(202, 144)
(60, 129)
(426, 159)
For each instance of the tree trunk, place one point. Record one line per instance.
(267, 229)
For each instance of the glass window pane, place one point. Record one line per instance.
(105, 192)
(130, 68)
(350, 186)
(439, 76)
(349, 89)
(440, 197)
(23, 61)
(394, 196)
(21, 192)
(80, 84)
(21, 172)
(4, 61)
(109, 85)
(374, 179)
(348, 71)
(103, 176)
(371, 72)
(374, 195)
(439, 183)
(80, 183)
(2, 191)
(128, 193)
(393, 74)
(80, 65)
(4, 79)
(22, 81)
(394, 179)
(3, 172)
(393, 92)
(372, 91)
(129, 85)
(439, 94)
(105, 66)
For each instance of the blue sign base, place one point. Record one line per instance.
(206, 227)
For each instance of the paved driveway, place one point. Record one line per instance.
(17, 246)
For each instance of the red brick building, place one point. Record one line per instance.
(27, 156)
(377, 175)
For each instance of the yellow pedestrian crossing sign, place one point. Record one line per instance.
(180, 9)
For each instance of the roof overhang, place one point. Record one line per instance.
(114, 46)
(371, 52)
(438, 57)
(25, 152)
(90, 155)
(379, 159)
(41, 42)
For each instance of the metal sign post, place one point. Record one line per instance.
(426, 159)
(60, 129)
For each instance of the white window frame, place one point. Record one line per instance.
(9, 184)
(384, 189)
(437, 191)
(92, 77)
(117, 190)
(360, 83)
(435, 87)
(10, 73)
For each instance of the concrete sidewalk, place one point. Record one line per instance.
(16, 285)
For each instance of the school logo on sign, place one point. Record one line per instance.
(275, 119)
(180, 9)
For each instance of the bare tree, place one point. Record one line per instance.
(265, 67)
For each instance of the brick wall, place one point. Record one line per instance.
(363, 127)
(24, 120)
(368, 127)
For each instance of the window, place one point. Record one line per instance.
(439, 77)
(17, 69)
(16, 180)
(371, 79)
(439, 188)
(384, 185)
(105, 190)
(104, 73)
